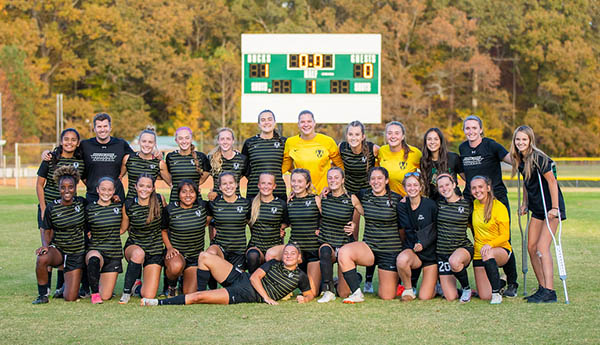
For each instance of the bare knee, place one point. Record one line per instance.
(455, 264)
(402, 261)
(204, 257)
(137, 256)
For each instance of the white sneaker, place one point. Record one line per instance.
(408, 295)
(356, 297)
(327, 296)
(368, 287)
(496, 298)
(466, 296)
(149, 302)
(125, 298)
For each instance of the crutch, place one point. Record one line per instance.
(560, 260)
(524, 251)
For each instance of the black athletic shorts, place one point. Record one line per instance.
(157, 259)
(237, 259)
(71, 262)
(310, 255)
(39, 217)
(479, 263)
(239, 288)
(190, 262)
(542, 215)
(112, 265)
(386, 260)
(444, 268)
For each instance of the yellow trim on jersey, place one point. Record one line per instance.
(315, 155)
(396, 166)
(496, 232)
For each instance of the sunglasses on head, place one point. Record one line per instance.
(414, 173)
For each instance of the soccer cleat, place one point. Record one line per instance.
(83, 293)
(136, 289)
(465, 296)
(496, 298)
(171, 291)
(536, 295)
(96, 299)
(438, 289)
(125, 298)
(511, 290)
(400, 290)
(356, 297)
(327, 296)
(549, 296)
(58, 293)
(368, 287)
(408, 295)
(40, 300)
(148, 302)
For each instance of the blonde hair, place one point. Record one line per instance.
(489, 200)
(310, 189)
(257, 202)
(197, 164)
(341, 171)
(530, 157)
(419, 178)
(216, 156)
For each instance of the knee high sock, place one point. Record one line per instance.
(172, 301)
(463, 278)
(252, 260)
(60, 279)
(352, 279)
(326, 267)
(202, 278)
(93, 271)
(491, 269)
(510, 268)
(50, 278)
(85, 284)
(133, 271)
(370, 272)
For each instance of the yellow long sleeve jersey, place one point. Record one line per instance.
(496, 232)
(397, 166)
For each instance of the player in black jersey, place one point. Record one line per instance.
(304, 214)
(358, 156)
(186, 162)
(382, 242)
(143, 216)
(268, 220)
(533, 164)
(184, 224)
(62, 237)
(417, 216)
(144, 161)
(437, 159)
(338, 208)
(225, 158)
(454, 250)
(264, 153)
(104, 224)
(271, 282)
(67, 153)
(228, 216)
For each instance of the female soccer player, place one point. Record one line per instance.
(271, 282)
(491, 233)
(311, 151)
(531, 162)
(437, 159)
(103, 258)
(337, 229)
(183, 229)
(186, 162)
(144, 161)
(144, 247)
(225, 158)
(268, 220)
(397, 157)
(264, 153)
(454, 250)
(483, 156)
(382, 242)
(62, 237)
(230, 214)
(67, 153)
(418, 218)
(358, 156)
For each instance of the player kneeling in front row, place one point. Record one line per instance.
(271, 282)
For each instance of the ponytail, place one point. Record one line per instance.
(154, 204)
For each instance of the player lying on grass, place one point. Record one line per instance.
(271, 282)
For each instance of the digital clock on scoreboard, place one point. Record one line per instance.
(335, 76)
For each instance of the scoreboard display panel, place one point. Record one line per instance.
(336, 76)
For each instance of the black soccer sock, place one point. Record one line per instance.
(43, 289)
(352, 279)
(49, 278)
(165, 280)
(252, 260)
(202, 277)
(212, 283)
(370, 272)
(491, 269)
(177, 300)
(85, 284)
(60, 279)
(414, 277)
(463, 278)
(133, 271)
(326, 267)
(172, 284)
(93, 271)
(510, 268)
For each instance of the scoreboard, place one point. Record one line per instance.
(336, 76)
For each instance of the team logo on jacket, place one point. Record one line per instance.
(319, 153)
(236, 166)
(152, 166)
(192, 161)
(273, 210)
(345, 201)
(420, 217)
(387, 203)
(77, 208)
(461, 209)
(198, 213)
(76, 165)
(307, 203)
(364, 159)
(402, 165)
(240, 209)
(290, 275)
(277, 144)
(116, 210)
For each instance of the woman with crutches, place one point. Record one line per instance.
(546, 204)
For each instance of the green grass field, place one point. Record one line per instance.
(372, 322)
